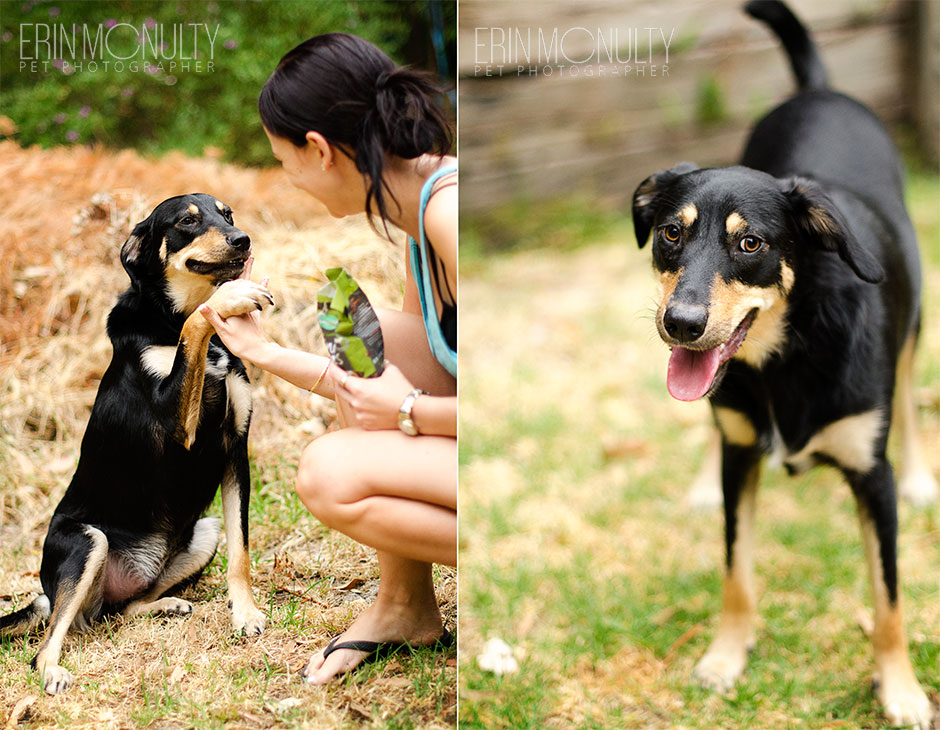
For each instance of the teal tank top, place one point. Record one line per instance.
(446, 353)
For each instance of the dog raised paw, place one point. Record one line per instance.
(240, 296)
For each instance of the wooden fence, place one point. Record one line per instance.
(597, 129)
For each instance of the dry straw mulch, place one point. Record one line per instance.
(65, 214)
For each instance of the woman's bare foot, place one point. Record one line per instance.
(415, 622)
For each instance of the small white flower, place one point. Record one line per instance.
(497, 658)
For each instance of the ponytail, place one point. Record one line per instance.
(349, 91)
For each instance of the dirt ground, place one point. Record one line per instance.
(66, 213)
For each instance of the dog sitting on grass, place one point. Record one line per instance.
(168, 426)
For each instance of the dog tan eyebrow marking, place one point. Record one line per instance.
(193, 209)
(688, 215)
(734, 223)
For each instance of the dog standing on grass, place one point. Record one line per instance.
(790, 298)
(169, 424)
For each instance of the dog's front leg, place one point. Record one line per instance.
(231, 299)
(726, 657)
(247, 618)
(896, 687)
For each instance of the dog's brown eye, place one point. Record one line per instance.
(671, 233)
(188, 221)
(750, 244)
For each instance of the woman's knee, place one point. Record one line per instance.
(323, 481)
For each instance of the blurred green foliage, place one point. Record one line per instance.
(191, 70)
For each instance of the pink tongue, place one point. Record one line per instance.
(691, 373)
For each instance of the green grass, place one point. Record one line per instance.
(195, 672)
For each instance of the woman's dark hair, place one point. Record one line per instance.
(349, 91)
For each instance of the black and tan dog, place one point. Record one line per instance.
(790, 297)
(169, 424)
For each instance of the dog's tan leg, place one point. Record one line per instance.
(194, 342)
(247, 618)
(71, 597)
(896, 686)
(915, 482)
(229, 300)
(727, 655)
(191, 561)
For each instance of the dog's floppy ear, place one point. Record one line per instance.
(133, 255)
(646, 195)
(819, 221)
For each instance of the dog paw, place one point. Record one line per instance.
(56, 679)
(240, 296)
(904, 703)
(918, 488)
(720, 668)
(248, 621)
(172, 607)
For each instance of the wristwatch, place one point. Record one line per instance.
(405, 421)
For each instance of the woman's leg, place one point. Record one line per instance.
(405, 610)
(384, 489)
(397, 494)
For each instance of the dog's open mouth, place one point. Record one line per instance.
(693, 374)
(230, 269)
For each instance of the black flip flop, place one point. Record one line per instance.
(381, 649)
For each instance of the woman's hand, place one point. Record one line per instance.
(375, 401)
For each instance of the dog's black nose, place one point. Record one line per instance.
(239, 241)
(685, 322)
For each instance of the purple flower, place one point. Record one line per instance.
(150, 23)
(6, 37)
(57, 63)
(60, 118)
(127, 92)
(231, 44)
(110, 23)
(71, 135)
(84, 111)
(54, 11)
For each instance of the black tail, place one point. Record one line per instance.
(22, 621)
(804, 56)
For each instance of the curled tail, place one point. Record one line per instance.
(22, 621)
(804, 56)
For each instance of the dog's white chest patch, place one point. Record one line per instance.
(158, 359)
(239, 400)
